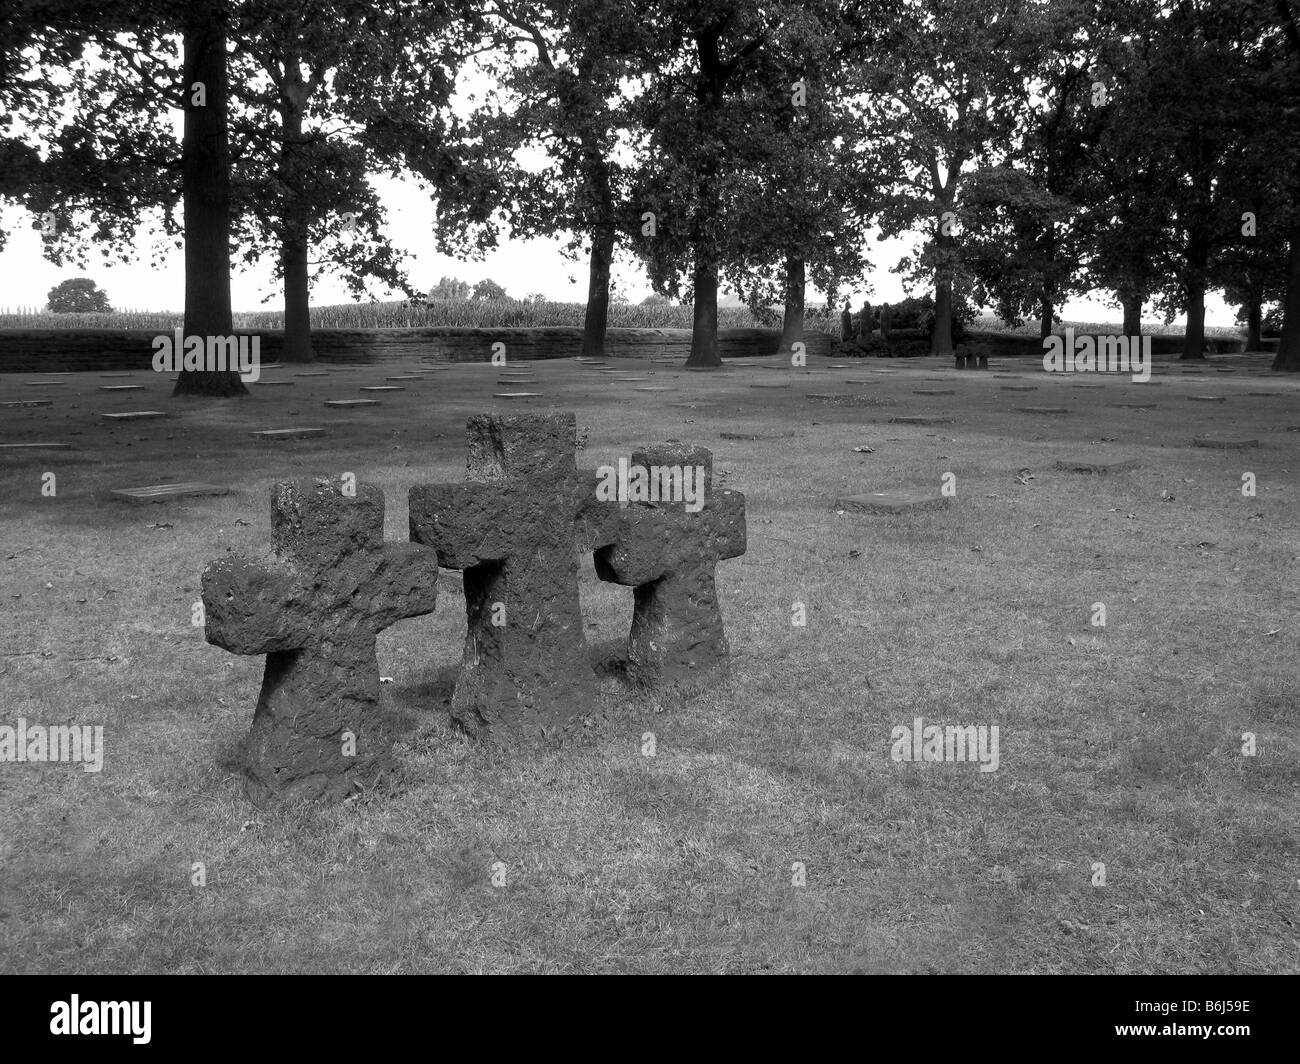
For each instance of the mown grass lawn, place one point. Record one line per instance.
(1119, 746)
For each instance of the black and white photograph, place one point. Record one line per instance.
(698, 487)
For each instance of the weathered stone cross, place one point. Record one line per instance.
(669, 556)
(511, 528)
(315, 611)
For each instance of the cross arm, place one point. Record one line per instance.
(405, 585)
(727, 534)
(463, 523)
(254, 609)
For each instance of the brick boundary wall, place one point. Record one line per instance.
(70, 350)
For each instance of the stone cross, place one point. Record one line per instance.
(314, 611)
(511, 529)
(669, 555)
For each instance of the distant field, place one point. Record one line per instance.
(495, 314)
(508, 314)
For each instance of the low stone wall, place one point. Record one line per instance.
(64, 350)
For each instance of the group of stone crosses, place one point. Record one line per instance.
(513, 529)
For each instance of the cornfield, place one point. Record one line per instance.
(463, 314)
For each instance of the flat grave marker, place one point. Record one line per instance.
(515, 395)
(1224, 443)
(27, 402)
(381, 388)
(934, 391)
(1080, 466)
(35, 446)
(1135, 406)
(134, 415)
(1043, 409)
(406, 377)
(892, 502)
(45, 384)
(348, 404)
(313, 373)
(1019, 388)
(922, 419)
(287, 434)
(121, 387)
(1208, 398)
(163, 492)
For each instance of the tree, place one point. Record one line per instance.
(943, 94)
(702, 101)
(564, 73)
(488, 290)
(1288, 348)
(450, 288)
(78, 295)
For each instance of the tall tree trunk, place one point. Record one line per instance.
(1288, 348)
(205, 187)
(792, 319)
(1048, 316)
(1194, 337)
(1198, 256)
(941, 339)
(1132, 304)
(596, 321)
(704, 325)
(1255, 322)
(297, 301)
(709, 90)
(295, 226)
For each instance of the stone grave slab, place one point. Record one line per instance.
(653, 388)
(287, 434)
(163, 492)
(1019, 388)
(315, 611)
(313, 373)
(348, 404)
(121, 387)
(272, 384)
(45, 384)
(628, 380)
(12, 403)
(1208, 398)
(934, 391)
(1077, 465)
(1135, 406)
(107, 376)
(35, 446)
(1042, 409)
(381, 388)
(406, 377)
(516, 380)
(134, 415)
(516, 395)
(892, 502)
(922, 419)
